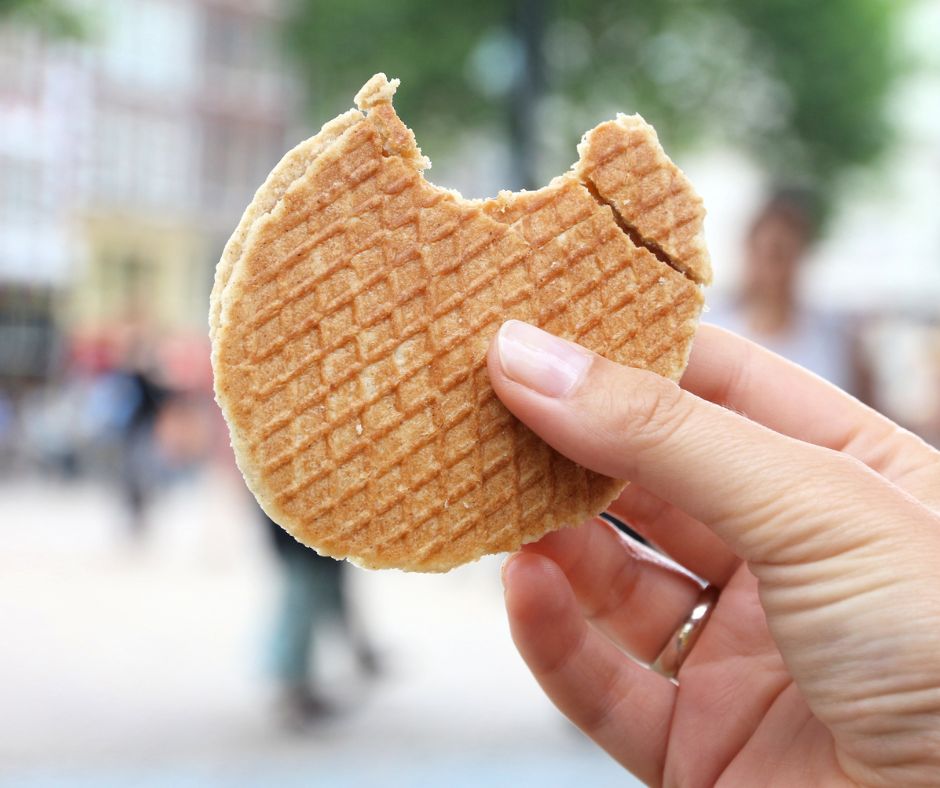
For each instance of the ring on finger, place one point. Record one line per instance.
(680, 644)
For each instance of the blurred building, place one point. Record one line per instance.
(126, 159)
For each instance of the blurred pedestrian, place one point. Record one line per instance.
(313, 596)
(138, 459)
(768, 308)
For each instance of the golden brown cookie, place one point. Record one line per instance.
(354, 304)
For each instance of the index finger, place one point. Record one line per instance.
(742, 376)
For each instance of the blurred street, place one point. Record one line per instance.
(143, 663)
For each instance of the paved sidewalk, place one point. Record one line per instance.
(142, 664)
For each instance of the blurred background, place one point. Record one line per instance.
(154, 629)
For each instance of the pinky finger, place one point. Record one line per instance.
(621, 705)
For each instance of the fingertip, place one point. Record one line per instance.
(526, 567)
(534, 586)
(504, 568)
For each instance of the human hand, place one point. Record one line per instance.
(817, 518)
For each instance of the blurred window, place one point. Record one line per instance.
(114, 141)
(236, 40)
(134, 277)
(222, 34)
(144, 158)
(237, 156)
(149, 43)
(164, 160)
(21, 191)
(216, 147)
(27, 330)
(20, 61)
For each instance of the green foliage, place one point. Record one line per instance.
(800, 83)
(836, 61)
(53, 17)
(339, 44)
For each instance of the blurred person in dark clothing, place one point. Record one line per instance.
(138, 468)
(767, 308)
(314, 594)
(138, 393)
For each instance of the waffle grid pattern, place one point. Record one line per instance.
(367, 361)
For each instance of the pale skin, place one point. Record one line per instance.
(819, 520)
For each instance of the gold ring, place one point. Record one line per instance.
(678, 646)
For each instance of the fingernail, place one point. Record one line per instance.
(540, 361)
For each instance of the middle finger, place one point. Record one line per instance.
(680, 536)
(627, 591)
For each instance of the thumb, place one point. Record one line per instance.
(763, 493)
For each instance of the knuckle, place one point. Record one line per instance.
(601, 710)
(652, 413)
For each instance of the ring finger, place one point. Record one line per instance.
(627, 591)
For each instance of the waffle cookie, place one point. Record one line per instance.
(353, 307)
